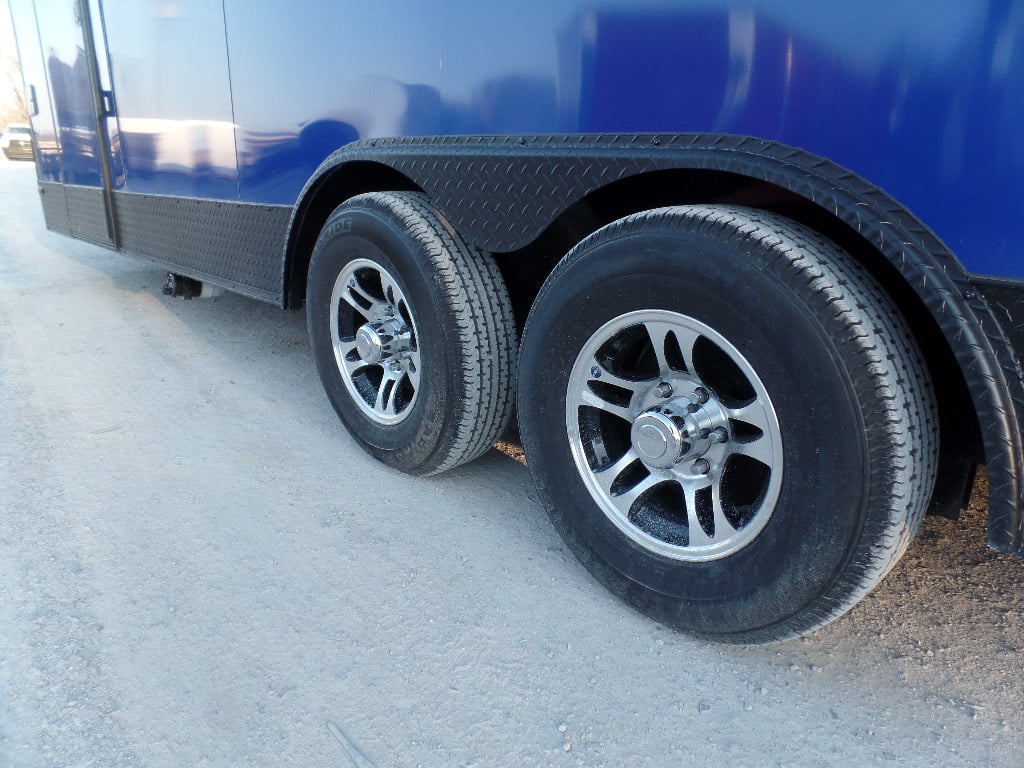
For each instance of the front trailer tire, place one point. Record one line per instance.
(412, 333)
(729, 423)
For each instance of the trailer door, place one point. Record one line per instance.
(75, 179)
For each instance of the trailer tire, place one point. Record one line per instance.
(749, 436)
(412, 332)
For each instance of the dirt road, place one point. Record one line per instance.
(199, 568)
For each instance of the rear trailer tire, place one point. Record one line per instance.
(412, 332)
(749, 437)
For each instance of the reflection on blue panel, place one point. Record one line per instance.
(918, 107)
(308, 78)
(33, 70)
(67, 76)
(169, 67)
(926, 104)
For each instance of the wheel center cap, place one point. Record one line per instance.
(660, 437)
(369, 344)
(651, 442)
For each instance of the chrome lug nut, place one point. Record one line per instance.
(719, 435)
(664, 390)
(701, 467)
(701, 395)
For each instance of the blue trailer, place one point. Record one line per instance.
(746, 275)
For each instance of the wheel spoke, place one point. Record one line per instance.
(607, 377)
(723, 527)
(625, 501)
(607, 476)
(758, 450)
(756, 413)
(590, 396)
(386, 394)
(356, 297)
(659, 333)
(344, 348)
(378, 403)
(698, 536)
(587, 397)
(390, 289)
(389, 404)
(413, 370)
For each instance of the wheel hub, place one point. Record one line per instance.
(378, 342)
(369, 344)
(660, 437)
(684, 429)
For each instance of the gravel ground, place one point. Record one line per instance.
(199, 568)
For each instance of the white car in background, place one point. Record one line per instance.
(16, 142)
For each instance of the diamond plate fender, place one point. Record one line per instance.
(502, 192)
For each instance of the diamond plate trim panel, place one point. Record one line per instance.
(55, 207)
(87, 213)
(237, 245)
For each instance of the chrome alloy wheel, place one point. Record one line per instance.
(674, 435)
(375, 341)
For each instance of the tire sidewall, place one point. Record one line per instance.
(815, 526)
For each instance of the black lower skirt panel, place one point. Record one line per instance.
(237, 245)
